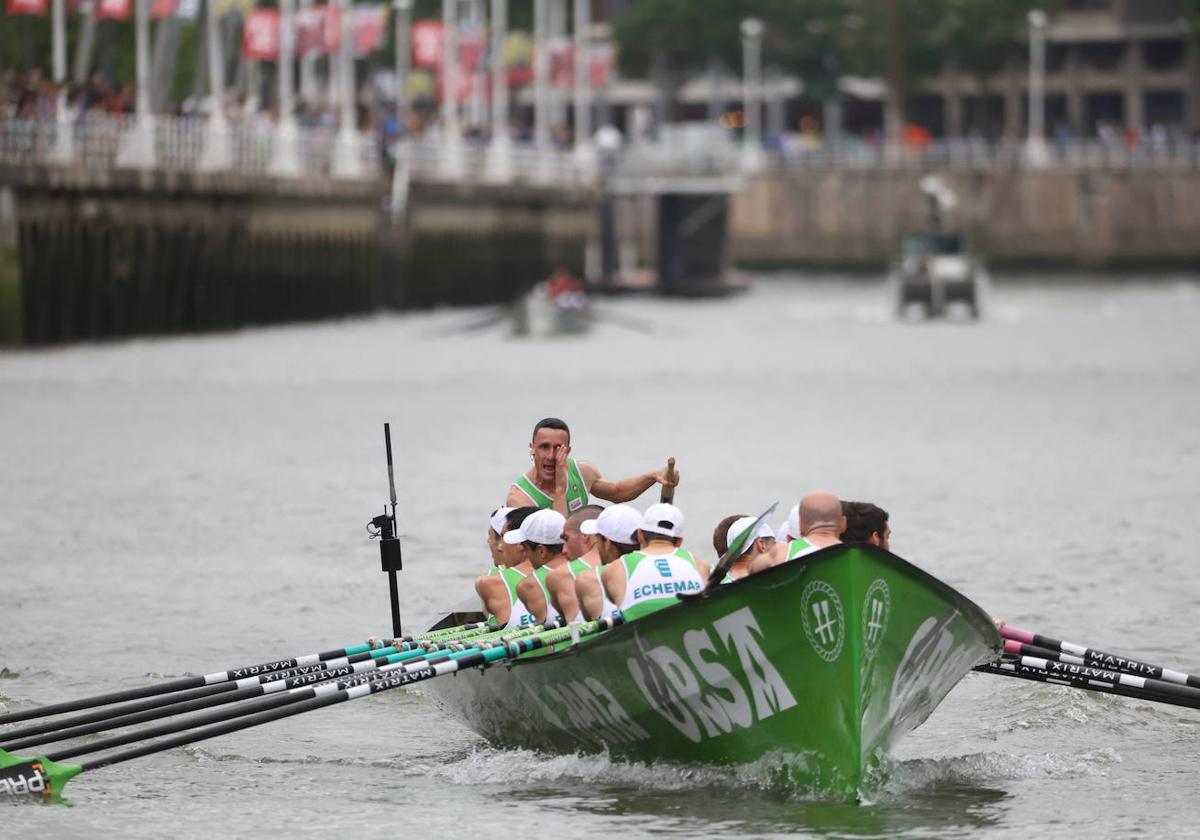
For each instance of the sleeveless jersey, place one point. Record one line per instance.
(653, 580)
(518, 615)
(577, 495)
(540, 576)
(607, 607)
(799, 547)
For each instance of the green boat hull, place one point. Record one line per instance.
(819, 666)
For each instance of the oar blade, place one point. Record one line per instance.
(34, 777)
(727, 559)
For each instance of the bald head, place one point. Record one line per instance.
(580, 516)
(821, 511)
(578, 543)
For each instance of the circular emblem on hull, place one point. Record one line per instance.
(824, 619)
(877, 609)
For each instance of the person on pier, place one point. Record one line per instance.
(556, 480)
(821, 525)
(582, 555)
(497, 589)
(616, 535)
(650, 578)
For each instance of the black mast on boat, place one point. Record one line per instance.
(383, 527)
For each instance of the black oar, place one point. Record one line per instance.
(206, 681)
(728, 558)
(1100, 658)
(1092, 679)
(45, 777)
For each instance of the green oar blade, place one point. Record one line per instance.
(37, 777)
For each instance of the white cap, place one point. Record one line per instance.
(499, 518)
(663, 519)
(544, 527)
(790, 530)
(740, 525)
(616, 523)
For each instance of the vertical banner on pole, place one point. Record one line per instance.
(27, 7)
(427, 38)
(260, 35)
(113, 9)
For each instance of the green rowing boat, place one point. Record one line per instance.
(819, 666)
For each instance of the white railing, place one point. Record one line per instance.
(179, 145)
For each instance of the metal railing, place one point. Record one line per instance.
(179, 143)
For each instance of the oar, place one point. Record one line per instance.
(182, 685)
(250, 687)
(1100, 658)
(727, 559)
(1091, 679)
(668, 490)
(45, 777)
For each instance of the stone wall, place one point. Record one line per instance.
(1087, 218)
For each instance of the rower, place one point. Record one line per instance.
(494, 542)
(616, 535)
(649, 579)
(541, 535)
(866, 523)
(559, 481)
(761, 542)
(821, 523)
(498, 588)
(721, 534)
(582, 555)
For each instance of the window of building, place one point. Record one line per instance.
(1163, 55)
(1104, 114)
(1164, 107)
(1102, 55)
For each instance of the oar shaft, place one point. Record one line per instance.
(184, 684)
(1101, 659)
(1026, 672)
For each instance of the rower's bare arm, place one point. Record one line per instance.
(491, 591)
(614, 581)
(531, 596)
(562, 593)
(516, 497)
(627, 489)
(587, 592)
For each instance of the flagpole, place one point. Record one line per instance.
(347, 160)
(137, 150)
(285, 157)
(450, 158)
(500, 147)
(308, 67)
(217, 154)
(64, 138)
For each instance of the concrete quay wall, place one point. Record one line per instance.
(1084, 218)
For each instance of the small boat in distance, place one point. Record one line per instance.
(816, 668)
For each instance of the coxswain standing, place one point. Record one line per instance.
(558, 481)
(649, 579)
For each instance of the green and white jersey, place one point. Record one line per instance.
(577, 567)
(653, 580)
(577, 495)
(540, 576)
(518, 614)
(799, 547)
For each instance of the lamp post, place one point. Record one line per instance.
(347, 152)
(217, 154)
(499, 161)
(583, 86)
(285, 156)
(608, 144)
(450, 157)
(64, 140)
(541, 83)
(137, 151)
(403, 58)
(752, 32)
(1035, 143)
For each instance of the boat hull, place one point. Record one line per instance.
(821, 665)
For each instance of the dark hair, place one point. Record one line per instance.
(625, 548)
(516, 516)
(555, 549)
(721, 533)
(584, 514)
(862, 520)
(551, 423)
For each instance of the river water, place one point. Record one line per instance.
(184, 505)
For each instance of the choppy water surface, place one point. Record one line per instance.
(185, 505)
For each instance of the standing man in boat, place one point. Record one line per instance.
(821, 525)
(649, 579)
(556, 480)
(616, 535)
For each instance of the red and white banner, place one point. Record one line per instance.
(27, 7)
(260, 35)
(318, 30)
(426, 43)
(161, 9)
(602, 57)
(370, 22)
(113, 9)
